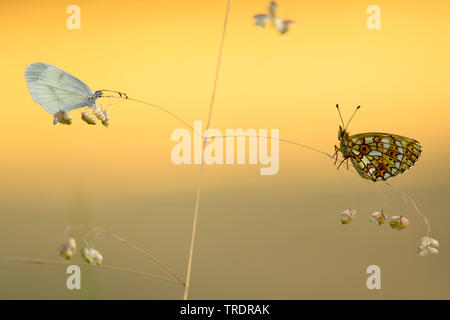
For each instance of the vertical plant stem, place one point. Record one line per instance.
(200, 178)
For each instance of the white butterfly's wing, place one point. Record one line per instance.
(288, 23)
(55, 89)
(282, 26)
(279, 24)
(261, 19)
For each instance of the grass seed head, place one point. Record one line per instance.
(348, 216)
(378, 218)
(105, 122)
(87, 255)
(88, 118)
(398, 222)
(65, 251)
(98, 113)
(428, 245)
(92, 256)
(63, 117)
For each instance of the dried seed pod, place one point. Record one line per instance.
(88, 118)
(98, 113)
(398, 222)
(378, 218)
(105, 122)
(348, 216)
(63, 117)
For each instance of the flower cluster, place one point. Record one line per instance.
(428, 245)
(90, 255)
(97, 112)
(378, 218)
(398, 222)
(67, 249)
(347, 216)
(63, 117)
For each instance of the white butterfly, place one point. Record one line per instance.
(281, 25)
(57, 90)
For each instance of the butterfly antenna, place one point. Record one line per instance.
(357, 108)
(121, 94)
(340, 115)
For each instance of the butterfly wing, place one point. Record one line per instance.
(379, 156)
(280, 25)
(287, 24)
(55, 89)
(261, 19)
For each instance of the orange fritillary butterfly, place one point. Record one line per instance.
(377, 156)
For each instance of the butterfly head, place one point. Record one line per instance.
(342, 133)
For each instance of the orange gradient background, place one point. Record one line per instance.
(275, 237)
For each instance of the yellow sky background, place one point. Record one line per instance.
(165, 53)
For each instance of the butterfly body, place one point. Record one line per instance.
(378, 156)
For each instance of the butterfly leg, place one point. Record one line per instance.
(336, 150)
(343, 160)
